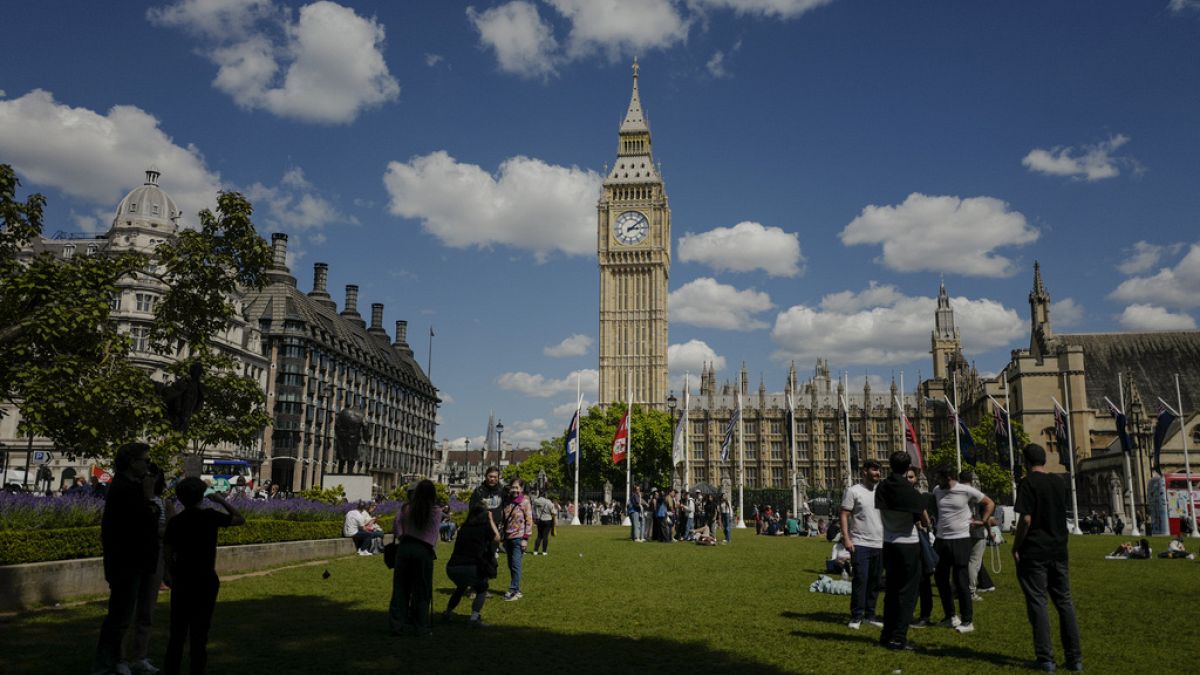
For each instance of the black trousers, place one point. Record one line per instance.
(544, 527)
(192, 605)
(1039, 578)
(903, 565)
(954, 557)
(122, 599)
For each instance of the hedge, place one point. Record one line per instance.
(26, 546)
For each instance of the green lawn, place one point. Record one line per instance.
(599, 603)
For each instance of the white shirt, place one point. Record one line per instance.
(865, 527)
(354, 520)
(955, 509)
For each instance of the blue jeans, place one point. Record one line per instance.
(687, 528)
(864, 593)
(516, 555)
(635, 525)
(726, 520)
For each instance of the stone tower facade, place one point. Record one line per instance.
(633, 246)
(945, 340)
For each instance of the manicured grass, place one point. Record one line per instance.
(599, 603)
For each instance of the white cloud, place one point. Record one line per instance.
(716, 65)
(528, 204)
(432, 60)
(1177, 286)
(538, 386)
(566, 410)
(1066, 312)
(705, 302)
(447, 399)
(293, 204)
(745, 247)
(530, 432)
(524, 44)
(775, 9)
(848, 329)
(1178, 6)
(326, 66)
(575, 345)
(1091, 163)
(1143, 255)
(1151, 317)
(690, 358)
(98, 158)
(456, 444)
(943, 234)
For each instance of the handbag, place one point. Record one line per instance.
(929, 557)
(389, 554)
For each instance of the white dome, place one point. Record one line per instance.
(148, 206)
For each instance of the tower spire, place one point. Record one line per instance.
(635, 119)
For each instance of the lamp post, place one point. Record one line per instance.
(541, 482)
(500, 443)
(467, 453)
(671, 403)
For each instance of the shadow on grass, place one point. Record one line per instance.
(312, 634)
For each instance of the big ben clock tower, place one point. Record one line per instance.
(634, 251)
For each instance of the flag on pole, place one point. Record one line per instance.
(1165, 419)
(1001, 418)
(572, 440)
(911, 444)
(620, 444)
(853, 456)
(965, 441)
(1122, 430)
(677, 447)
(1061, 437)
(791, 421)
(727, 442)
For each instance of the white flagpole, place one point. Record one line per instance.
(957, 436)
(846, 423)
(1071, 457)
(1012, 468)
(903, 425)
(578, 446)
(1128, 467)
(792, 435)
(687, 461)
(741, 520)
(628, 447)
(1187, 462)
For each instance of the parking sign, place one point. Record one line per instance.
(41, 456)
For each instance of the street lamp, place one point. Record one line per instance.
(671, 403)
(500, 440)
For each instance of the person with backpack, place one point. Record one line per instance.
(543, 511)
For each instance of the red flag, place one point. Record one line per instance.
(101, 475)
(912, 445)
(620, 444)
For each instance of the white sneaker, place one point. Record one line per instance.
(976, 598)
(876, 622)
(363, 552)
(143, 666)
(854, 625)
(952, 622)
(965, 628)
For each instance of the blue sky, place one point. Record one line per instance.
(826, 162)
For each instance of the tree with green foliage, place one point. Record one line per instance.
(551, 457)
(65, 366)
(650, 448)
(993, 479)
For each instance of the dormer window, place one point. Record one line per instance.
(91, 249)
(154, 209)
(68, 251)
(133, 207)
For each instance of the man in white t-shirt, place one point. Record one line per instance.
(862, 537)
(956, 515)
(355, 527)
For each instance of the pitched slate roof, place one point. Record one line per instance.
(1151, 359)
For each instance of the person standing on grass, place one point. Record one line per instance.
(901, 508)
(518, 525)
(725, 510)
(472, 563)
(129, 536)
(190, 555)
(139, 661)
(925, 588)
(1040, 551)
(416, 532)
(862, 537)
(956, 503)
(489, 493)
(689, 515)
(981, 532)
(543, 510)
(634, 509)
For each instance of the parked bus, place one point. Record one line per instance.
(224, 473)
(1177, 499)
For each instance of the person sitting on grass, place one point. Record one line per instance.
(1176, 549)
(472, 564)
(1132, 551)
(190, 559)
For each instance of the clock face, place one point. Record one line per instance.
(631, 227)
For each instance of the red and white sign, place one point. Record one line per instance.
(101, 475)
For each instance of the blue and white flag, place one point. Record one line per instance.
(727, 442)
(572, 439)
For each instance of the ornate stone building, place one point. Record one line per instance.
(145, 218)
(634, 252)
(322, 361)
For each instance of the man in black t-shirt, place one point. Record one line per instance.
(1040, 551)
(190, 554)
